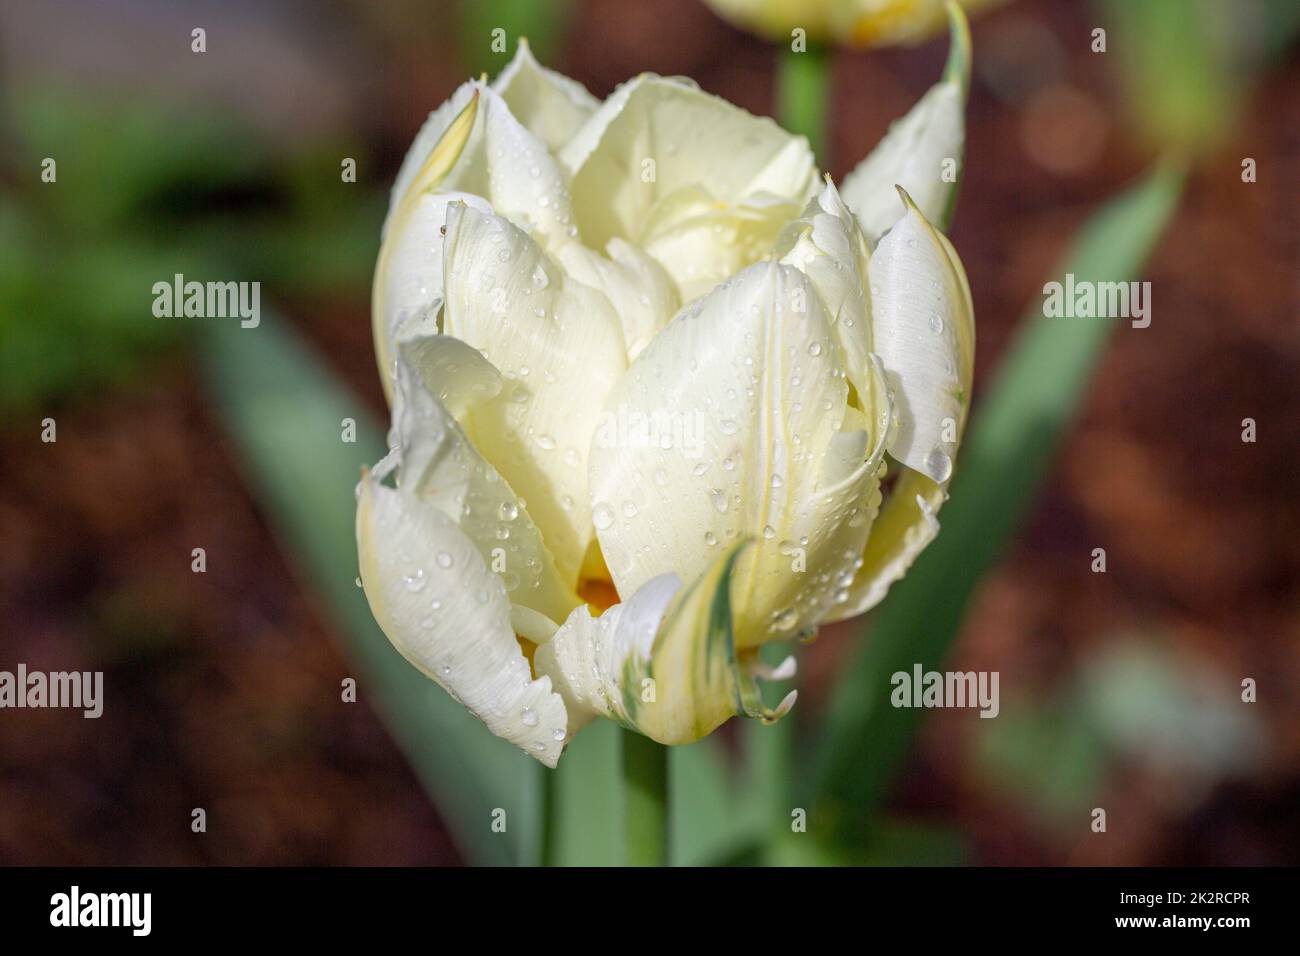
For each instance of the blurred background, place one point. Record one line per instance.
(1120, 690)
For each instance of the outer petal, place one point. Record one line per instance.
(914, 151)
(407, 294)
(434, 151)
(548, 103)
(932, 379)
(664, 662)
(439, 467)
(906, 525)
(471, 146)
(672, 169)
(763, 446)
(449, 616)
(497, 158)
(923, 330)
(560, 348)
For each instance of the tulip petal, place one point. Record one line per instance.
(752, 438)
(560, 348)
(492, 155)
(917, 150)
(448, 615)
(906, 525)
(664, 662)
(698, 183)
(637, 287)
(923, 330)
(454, 373)
(828, 246)
(548, 103)
(472, 150)
(407, 295)
(436, 463)
(435, 150)
(920, 279)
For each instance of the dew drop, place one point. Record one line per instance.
(938, 465)
(785, 620)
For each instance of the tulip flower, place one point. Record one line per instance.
(661, 393)
(855, 23)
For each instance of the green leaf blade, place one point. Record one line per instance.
(1021, 423)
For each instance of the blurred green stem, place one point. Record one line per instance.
(645, 808)
(802, 94)
(551, 836)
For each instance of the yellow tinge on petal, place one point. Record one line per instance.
(665, 662)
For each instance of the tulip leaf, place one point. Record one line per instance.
(285, 416)
(1021, 421)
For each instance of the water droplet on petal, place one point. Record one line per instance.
(938, 465)
(785, 620)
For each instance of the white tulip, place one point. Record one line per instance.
(648, 371)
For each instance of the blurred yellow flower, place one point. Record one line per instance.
(860, 23)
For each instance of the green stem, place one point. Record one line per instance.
(803, 94)
(550, 816)
(645, 810)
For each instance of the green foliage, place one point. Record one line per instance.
(1186, 65)
(542, 24)
(1023, 417)
(284, 413)
(143, 193)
